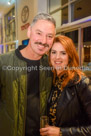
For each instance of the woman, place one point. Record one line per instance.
(69, 104)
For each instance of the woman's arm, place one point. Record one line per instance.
(84, 94)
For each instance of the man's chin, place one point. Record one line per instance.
(42, 53)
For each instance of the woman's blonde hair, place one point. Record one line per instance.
(73, 64)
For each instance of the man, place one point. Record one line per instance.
(24, 86)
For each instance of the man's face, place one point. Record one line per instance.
(41, 36)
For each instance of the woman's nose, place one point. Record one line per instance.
(58, 56)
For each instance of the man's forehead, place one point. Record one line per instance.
(41, 21)
(42, 25)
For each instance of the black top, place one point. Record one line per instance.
(55, 95)
(32, 110)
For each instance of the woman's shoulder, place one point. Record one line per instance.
(85, 80)
(84, 84)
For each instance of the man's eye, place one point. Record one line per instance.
(38, 33)
(49, 36)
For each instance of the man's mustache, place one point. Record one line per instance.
(45, 45)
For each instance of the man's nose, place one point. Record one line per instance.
(44, 39)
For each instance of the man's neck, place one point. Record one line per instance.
(27, 53)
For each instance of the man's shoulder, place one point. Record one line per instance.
(7, 57)
(8, 54)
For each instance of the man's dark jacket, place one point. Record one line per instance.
(13, 93)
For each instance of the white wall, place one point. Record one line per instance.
(42, 6)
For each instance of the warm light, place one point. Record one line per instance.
(9, 2)
(13, 16)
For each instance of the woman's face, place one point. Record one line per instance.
(58, 57)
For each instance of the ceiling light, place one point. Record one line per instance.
(79, 8)
(9, 2)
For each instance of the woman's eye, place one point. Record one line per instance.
(53, 52)
(63, 53)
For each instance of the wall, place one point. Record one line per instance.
(21, 33)
(35, 6)
(43, 6)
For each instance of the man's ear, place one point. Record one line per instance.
(29, 32)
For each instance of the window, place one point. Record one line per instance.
(64, 15)
(82, 9)
(87, 44)
(10, 26)
(67, 11)
(86, 50)
(1, 31)
(74, 36)
(57, 17)
(54, 4)
(64, 2)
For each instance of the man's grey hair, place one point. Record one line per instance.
(43, 16)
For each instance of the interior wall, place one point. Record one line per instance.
(21, 34)
(35, 6)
